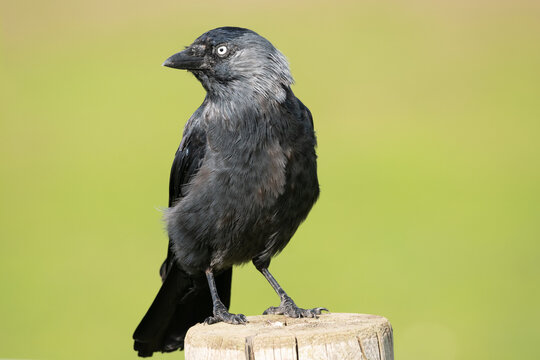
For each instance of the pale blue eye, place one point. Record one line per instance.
(222, 50)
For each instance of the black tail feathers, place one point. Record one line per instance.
(181, 303)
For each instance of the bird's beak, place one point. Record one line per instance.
(184, 60)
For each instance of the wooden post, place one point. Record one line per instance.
(265, 337)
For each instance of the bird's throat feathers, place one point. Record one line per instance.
(245, 114)
(250, 91)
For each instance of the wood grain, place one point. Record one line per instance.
(331, 336)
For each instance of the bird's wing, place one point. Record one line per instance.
(187, 162)
(306, 113)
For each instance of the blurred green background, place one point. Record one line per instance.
(428, 119)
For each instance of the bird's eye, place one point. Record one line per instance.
(222, 50)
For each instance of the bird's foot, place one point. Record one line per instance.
(221, 314)
(289, 308)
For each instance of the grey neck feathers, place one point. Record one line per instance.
(258, 77)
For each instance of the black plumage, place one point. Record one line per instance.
(243, 179)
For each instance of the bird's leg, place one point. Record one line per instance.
(220, 311)
(287, 306)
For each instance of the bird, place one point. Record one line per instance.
(243, 179)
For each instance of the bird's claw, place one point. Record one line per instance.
(289, 308)
(222, 315)
(235, 319)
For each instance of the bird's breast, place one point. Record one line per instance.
(257, 173)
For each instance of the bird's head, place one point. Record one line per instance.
(230, 60)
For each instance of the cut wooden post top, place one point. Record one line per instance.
(331, 336)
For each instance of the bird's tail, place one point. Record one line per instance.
(180, 303)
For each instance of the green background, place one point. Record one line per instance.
(428, 119)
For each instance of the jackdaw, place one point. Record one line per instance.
(243, 179)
